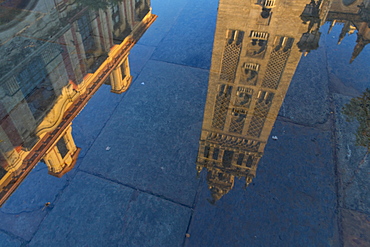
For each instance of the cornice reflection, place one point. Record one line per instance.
(55, 55)
(257, 48)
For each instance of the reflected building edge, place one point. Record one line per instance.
(52, 64)
(257, 48)
(353, 15)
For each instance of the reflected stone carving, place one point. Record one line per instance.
(55, 116)
(219, 183)
(278, 59)
(62, 156)
(249, 73)
(243, 97)
(264, 100)
(231, 55)
(269, 4)
(232, 141)
(222, 104)
(237, 120)
(266, 13)
(10, 86)
(258, 44)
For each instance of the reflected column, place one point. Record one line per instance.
(121, 77)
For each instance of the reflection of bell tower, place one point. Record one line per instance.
(254, 58)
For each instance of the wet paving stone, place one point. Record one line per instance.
(292, 201)
(153, 134)
(6, 240)
(153, 221)
(90, 212)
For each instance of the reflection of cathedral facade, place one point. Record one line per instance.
(353, 15)
(52, 69)
(257, 48)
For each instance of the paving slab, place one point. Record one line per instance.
(291, 202)
(356, 228)
(24, 210)
(153, 221)
(189, 42)
(151, 140)
(168, 12)
(88, 124)
(8, 241)
(307, 101)
(91, 212)
(139, 56)
(353, 163)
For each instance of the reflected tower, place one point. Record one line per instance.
(254, 59)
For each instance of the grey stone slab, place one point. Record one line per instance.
(307, 101)
(356, 228)
(353, 161)
(190, 40)
(24, 210)
(88, 124)
(167, 11)
(153, 221)
(8, 241)
(291, 202)
(91, 212)
(139, 56)
(151, 141)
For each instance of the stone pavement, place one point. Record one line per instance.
(135, 185)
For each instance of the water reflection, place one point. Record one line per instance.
(354, 15)
(251, 71)
(55, 55)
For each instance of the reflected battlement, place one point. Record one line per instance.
(53, 61)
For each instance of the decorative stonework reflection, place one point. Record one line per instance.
(53, 68)
(231, 54)
(243, 100)
(237, 120)
(261, 110)
(278, 59)
(249, 74)
(258, 44)
(221, 106)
